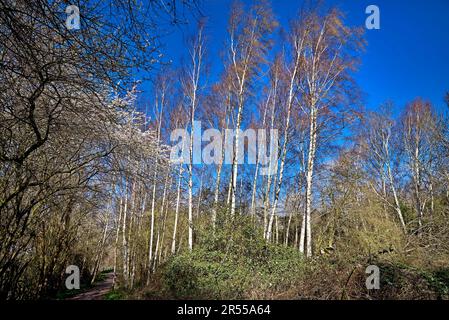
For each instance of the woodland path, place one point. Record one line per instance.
(98, 291)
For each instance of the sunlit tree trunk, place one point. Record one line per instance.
(298, 47)
(101, 245)
(306, 236)
(117, 234)
(178, 199)
(248, 35)
(124, 239)
(161, 222)
(192, 87)
(256, 171)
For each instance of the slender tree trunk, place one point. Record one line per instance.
(306, 234)
(277, 229)
(117, 234)
(220, 167)
(178, 197)
(253, 194)
(256, 172)
(164, 221)
(302, 237)
(432, 198)
(190, 221)
(240, 95)
(296, 235)
(393, 190)
(267, 199)
(217, 192)
(124, 240)
(197, 55)
(153, 198)
(160, 224)
(101, 249)
(284, 147)
(236, 156)
(153, 205)
(384, 192)
(287, 229)
(103, 239)
(199, 197)
(130, 231)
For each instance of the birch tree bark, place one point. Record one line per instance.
(191, 87)
(162, 90)
(178, 199)
(256, 171)
(298, 45)
(325, 79)
(379, 150)
(418, 122)
(220, 163)
(248, 36)
(117, 234)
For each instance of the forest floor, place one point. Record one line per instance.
(98, 291)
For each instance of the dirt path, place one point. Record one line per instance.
(98, 291)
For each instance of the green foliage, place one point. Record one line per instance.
(362, 230)
(233, 265)
(439, 281)
(405, 281)
(114, 295)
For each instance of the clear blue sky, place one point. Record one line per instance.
(406, 58)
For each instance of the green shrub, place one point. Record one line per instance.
(439, 282)
(232, 265)
(115, 295)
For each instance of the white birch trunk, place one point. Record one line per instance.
(196, 58)
(124, 241)
(178, 198)
(117, 235)
(287, 127)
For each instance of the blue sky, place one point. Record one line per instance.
(406, 58)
